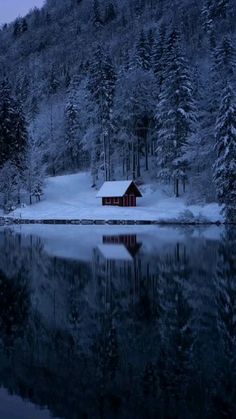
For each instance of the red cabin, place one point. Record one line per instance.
(119, 193)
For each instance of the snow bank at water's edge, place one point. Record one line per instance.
(71, 197)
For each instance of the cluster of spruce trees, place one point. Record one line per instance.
(130, 89)
(21, 171)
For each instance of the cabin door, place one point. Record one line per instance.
(131, 200)
(125, 201)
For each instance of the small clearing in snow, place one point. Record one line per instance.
(72, 197)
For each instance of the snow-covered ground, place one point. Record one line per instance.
(71, 197)
(11, 404)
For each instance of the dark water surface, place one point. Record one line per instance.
(117, 322)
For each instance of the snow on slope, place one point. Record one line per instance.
(11, 405)
(71, 197)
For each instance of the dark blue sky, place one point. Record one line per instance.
(10, 9)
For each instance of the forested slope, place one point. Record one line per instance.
(129, 88)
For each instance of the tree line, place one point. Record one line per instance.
(141, 90)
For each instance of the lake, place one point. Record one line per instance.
(117, 322)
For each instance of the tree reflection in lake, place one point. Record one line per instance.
(106, 324)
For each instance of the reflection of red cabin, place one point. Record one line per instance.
(128, 241)
(119, 193)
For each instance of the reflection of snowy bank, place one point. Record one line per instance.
(79, 242)
(115, 252)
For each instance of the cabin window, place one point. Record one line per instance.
(108, 200)
(116, 200)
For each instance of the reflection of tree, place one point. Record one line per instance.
(226, 294)
(78, 275)
(175, 362)
(122, 339)
(225, 390)
(14, 308)
(107, 350)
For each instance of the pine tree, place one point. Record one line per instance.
(139, 7)
(225, 146)
(33, 108)
(158, 59)
(10, 179)
(34, 171)
(22, 90)
(13, 133)
(225, 62)
(97, 16)
(24, 26)
(16, 28)
(150, 38)
(21, 136)
(175, 113)
(208, 105)
(218, 8)
(20, 27)
(143, 53)
(54, 83)
(102, 88)
(212, 11)
(134, 110)
(110, 13)
(72, 125)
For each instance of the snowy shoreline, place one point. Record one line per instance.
(12, 221)
(69, 199)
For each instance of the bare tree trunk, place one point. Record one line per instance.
(146, 155)
(127, 162)
(177, 252)
(153, 147)
(177, 187)
(18, 195)
(133, 161)
(109, 154)
(184, 182)
(104, 155)
(138, 160)
(52, 137)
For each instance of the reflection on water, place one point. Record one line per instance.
(114, 323)
(123, 246)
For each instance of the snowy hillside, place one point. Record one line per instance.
(124, 89)
(71, 197)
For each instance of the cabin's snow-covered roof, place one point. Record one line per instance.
(115, 252)
(114, 189)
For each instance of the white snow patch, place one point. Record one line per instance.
(72, 197)
(11, 405)
(115, 252)
(114, 189)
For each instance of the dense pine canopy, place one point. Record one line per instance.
(128, 88)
